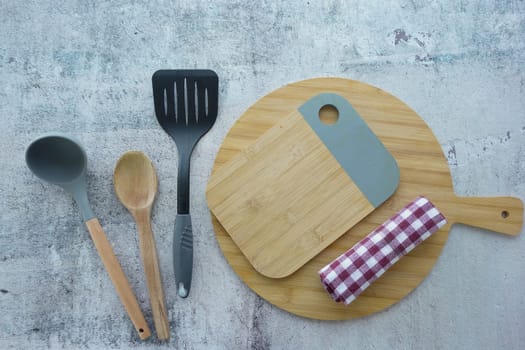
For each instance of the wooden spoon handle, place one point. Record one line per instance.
(118, 277)
(498, 214)
(148, 251)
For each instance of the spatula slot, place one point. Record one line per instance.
(186, 100)
(165, 102)
(206, 101)
(180, 100)
(196, 102)
(175, 101)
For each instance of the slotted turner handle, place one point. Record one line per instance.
(183, 254)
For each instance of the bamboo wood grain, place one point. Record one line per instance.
(424, 171)
(285, 198)
(118, 277)
(500, 214)
(136, 185)
(150, 261)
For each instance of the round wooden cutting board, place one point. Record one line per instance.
(424, 171)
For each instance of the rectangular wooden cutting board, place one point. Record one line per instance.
(301, 185)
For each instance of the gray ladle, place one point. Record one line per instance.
(60, 160)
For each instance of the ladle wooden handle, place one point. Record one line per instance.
(118, 278)
(150, 260)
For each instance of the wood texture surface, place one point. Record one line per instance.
(424, 171)
(136, 185)
(124, 291)
(148, 251)
(285, 198)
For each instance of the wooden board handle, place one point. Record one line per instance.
(498, 214)
(118, 277)
(150, 260)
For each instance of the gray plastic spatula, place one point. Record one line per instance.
(60, 160)
(186, 103)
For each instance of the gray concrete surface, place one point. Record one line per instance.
(84, 67)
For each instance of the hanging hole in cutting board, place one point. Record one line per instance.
(328, 114)
(504, 214)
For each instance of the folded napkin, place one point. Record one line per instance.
(351, 273)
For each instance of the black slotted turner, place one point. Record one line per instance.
(186, 103)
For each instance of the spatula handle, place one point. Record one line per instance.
(183, 179)
(118, 277)
(183, 254)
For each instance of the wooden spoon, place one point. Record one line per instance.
(136, 186)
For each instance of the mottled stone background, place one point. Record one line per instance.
(84, 67)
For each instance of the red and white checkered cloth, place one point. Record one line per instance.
(351, 273)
